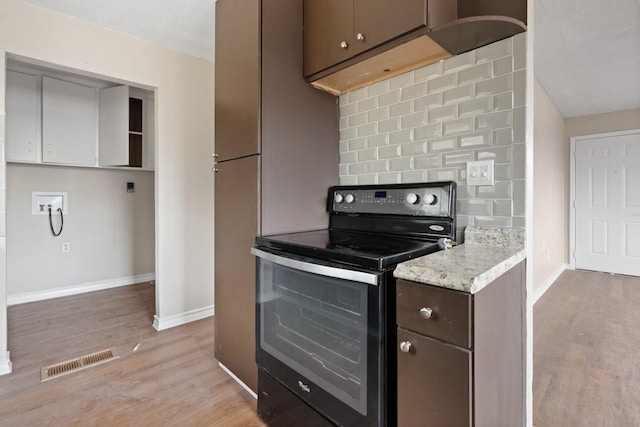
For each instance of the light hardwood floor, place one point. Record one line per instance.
(172, 379)
(586, 352)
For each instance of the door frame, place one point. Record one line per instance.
(572, 185)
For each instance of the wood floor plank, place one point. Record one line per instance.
(171, 379)
(586, 371)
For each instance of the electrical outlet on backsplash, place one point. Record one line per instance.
(425, 125)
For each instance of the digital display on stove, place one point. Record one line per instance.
(380, 195)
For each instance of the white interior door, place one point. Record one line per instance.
(607, 203)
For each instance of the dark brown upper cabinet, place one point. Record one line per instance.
(353, 43)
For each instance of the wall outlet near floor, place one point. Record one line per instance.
(65, 247)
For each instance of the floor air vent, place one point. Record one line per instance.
(82, 362)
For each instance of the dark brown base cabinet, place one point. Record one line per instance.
(461, 356)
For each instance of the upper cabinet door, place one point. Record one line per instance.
(69, 123)
(378, 21)
(328, 33)
(114, 126)
(22, 117)
(237, 78)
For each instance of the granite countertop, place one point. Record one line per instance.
(487, 253)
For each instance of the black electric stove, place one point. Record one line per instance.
(325, 304)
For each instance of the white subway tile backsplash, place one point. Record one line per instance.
(413, 91)
(427, 102)
(368, 104)
(379, 166)
(458, 158)
(476, 140)
(439, 84)
(503, 136)
(428, 72)
(357, 119)
(497, 154)
(348, 157)
(474, 207)
(503, 101)
(400, 109)
(389, 178)
(450, 174)
(457, 126)
(389, 125)
(458, 62)
(475, 74)
(358, 168)
(519, 221)
(358, 95)
(369, 179)
(475, 107)
(494, 86)
(400, 136)
(441, 114)
(427, 124)
(358, 144)
(389, 152)
(378, 114)
(520, 51)
(520, 88)
(401, 164)
(501, 190)
(459, 94)
(378, 88)
(368, 129)
(388, 98)
(413, 120)
(401, 81)
(503, 66)
(428, 162)
(379, 140)
(413, 176)
(494, 50)
(443, 144)
(368, 154)
(497, 120)
(428, 131)
(413, 148)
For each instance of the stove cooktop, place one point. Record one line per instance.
(370, 251)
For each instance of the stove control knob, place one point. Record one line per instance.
(430, 199)
(349, 198)
(412, 198)
(338, 198)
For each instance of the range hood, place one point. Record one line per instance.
(470, 25)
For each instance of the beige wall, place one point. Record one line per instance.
(184, 141)
(550, 192)
(601, 123)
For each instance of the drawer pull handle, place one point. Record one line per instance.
(343, 45)
(426, 312)
(405, 346)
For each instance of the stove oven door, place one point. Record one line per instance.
(319, 334)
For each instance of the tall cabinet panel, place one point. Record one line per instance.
(267, 116)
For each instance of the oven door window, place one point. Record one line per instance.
(318, 326)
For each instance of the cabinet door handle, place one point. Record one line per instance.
(214, 169)
(426, 312)
(344, 44)
(360, 37)
(405, 346)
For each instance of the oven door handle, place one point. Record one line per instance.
(323, 270)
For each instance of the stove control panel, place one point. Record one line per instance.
(424, 199)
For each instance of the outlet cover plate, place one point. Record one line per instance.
(480, 172)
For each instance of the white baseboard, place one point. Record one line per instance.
(181, 318)
(547, 284)
(5, 365)
(78, 289)
(238, 380)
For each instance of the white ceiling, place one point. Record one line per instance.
(587, 52)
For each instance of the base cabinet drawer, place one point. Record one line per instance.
(434, 382)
